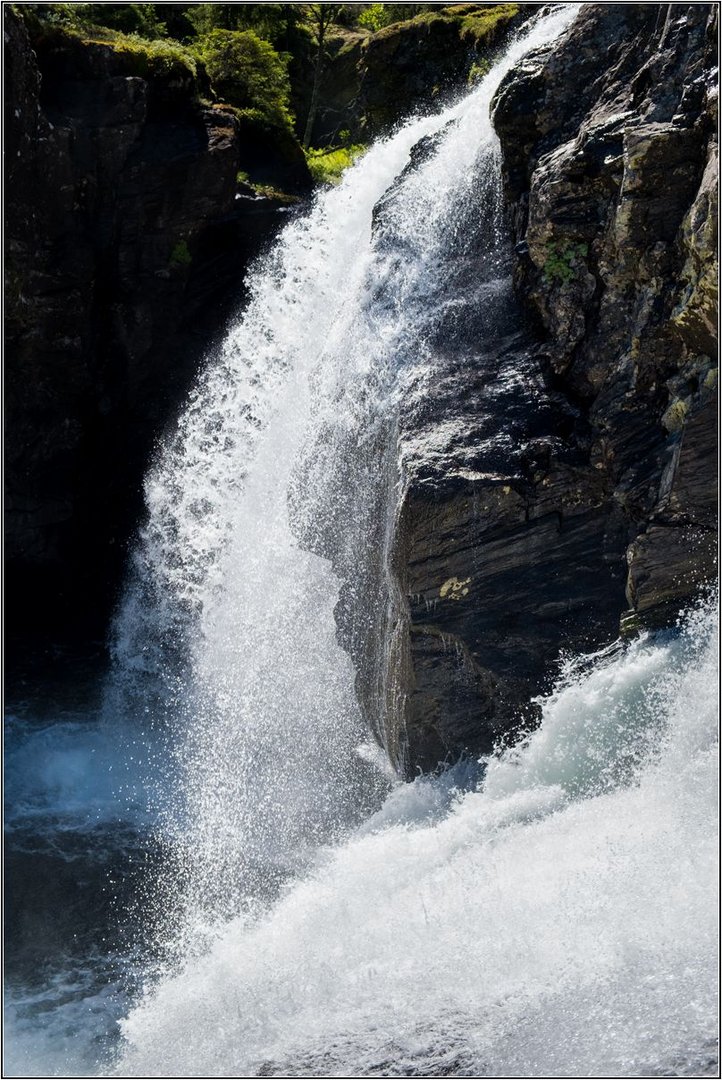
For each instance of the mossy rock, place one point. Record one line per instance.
(414, 62)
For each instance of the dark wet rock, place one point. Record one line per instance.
(407, 65)
(125, 251)
(561, 476)
(373, 80)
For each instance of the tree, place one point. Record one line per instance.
(319, 18)
(248, 72)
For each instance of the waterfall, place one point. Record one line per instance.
(315, 915)
(270, 508)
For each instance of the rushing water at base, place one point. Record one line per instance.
(560, 921)
(301, 912)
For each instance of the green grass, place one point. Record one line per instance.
(479, 25)
(327, 166)
(475, 22)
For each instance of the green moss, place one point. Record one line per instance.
(560, 261)
(180, 256)
(328, 166)
(675, 417)
(156, 58)
(478, 70)
(267, 191)
(159, 58)
(481, 25)
(476, 22)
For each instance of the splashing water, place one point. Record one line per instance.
(557, 917)
(545, 911)
(272, 506)
(558, 922)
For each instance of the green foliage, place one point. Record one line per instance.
(162, 58)
(559, 264)
(249, 74)
(374, 17)
(272, 22)
(328, 165)
(377, 17)
(478, 70)
(180, 256)
(144, 56)
(142, 19)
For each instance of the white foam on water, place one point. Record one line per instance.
(559, 921)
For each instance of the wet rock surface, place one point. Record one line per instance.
(372, 81)
(126, 245)
(560, 467)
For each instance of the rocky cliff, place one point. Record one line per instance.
(560, 476)
(371, 81)
(127, 236)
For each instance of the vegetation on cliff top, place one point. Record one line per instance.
(327, 165)
(270, 62)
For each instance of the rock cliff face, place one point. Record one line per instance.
(561, 474)
(126, 241)
(373, 80)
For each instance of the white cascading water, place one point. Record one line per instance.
(559, 922)
(314, 916)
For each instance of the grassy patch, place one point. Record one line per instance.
(327, 166)
(268, 191)
(482, 24)
(147, 59)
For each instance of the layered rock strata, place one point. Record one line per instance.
(560, 476)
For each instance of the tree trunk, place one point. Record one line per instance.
(314, 96)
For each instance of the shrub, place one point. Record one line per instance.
(249, 74)
(374, 17)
